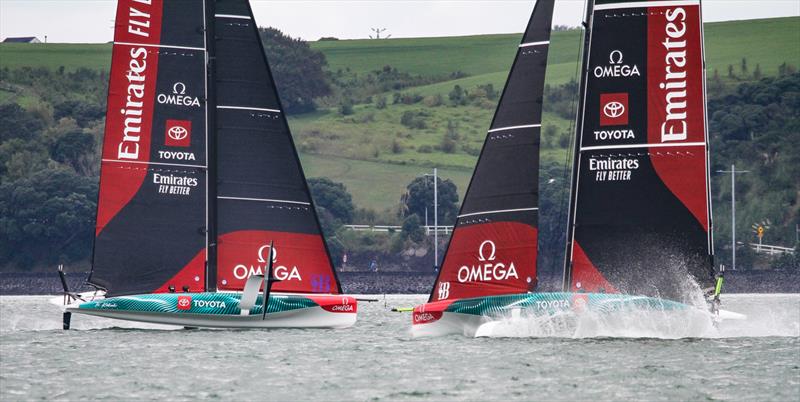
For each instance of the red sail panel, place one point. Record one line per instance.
(586, 277)
(262, 194)
(676, 104)
(129, 114)
(488, 259)
(640, 209)
(299, 261)
(493, 247)
(150, 232)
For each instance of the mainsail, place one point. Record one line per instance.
(262, 194)
(493, 247)
(640, 211)
(199, 170)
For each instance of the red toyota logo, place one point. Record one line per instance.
(614, 109)
(184, 302)
(178, 133)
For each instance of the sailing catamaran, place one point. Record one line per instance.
(203, 202)
(639, 214)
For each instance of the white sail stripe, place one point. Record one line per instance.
(154, 163)
(161, 46)
(641, 4)
(248, 108)
(629, 146)
(241, 17)
(545, 42)
(499, 211)
(514, 127)
(263, 200)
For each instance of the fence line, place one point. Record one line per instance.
(771, 250)
(429, 230)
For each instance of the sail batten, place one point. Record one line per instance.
(493, 246)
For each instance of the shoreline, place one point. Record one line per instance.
(392, 282)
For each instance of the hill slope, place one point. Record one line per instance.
(373, 153)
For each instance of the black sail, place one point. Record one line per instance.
(150, 231)
(640, 214)
(493, 247)
(261, 193)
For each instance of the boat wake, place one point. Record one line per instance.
(632, 323)
(766, 315)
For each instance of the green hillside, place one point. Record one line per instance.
(769, 41)
(373, 153)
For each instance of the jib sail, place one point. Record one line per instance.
(151, 217)
(493, 247)
(261, 194)
(640, 220)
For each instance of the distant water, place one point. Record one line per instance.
(756, 359)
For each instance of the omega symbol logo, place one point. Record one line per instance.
(615, 57)
(492, 248)
(261, 254)
(179, 88)
(177, 133)
(613, 109)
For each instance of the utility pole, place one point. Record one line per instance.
(733, 173)
(435, 219)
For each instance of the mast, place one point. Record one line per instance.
(211, 148)
(587, 36)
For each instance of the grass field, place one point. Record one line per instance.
(769, 42)
(376, 156)
(375, 185)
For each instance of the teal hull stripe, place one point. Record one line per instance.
(196, 303)
(554, 302)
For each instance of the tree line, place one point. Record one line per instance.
(51, 124)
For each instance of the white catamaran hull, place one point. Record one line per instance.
(222, 310)
(564, 315)
(307, 318)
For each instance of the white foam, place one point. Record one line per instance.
(766, 315)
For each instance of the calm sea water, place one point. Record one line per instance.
(756, 359)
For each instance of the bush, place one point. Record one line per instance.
(433, 100)
(425, 149)
(380, 103)
(452, 130)
(447, 146)
(397, 147)
(457, 96)
(412, 229)
(413, 120)
(346, 107)
(410, 99)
